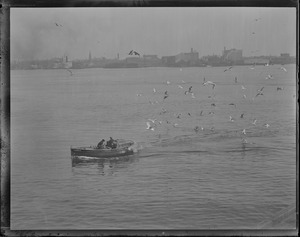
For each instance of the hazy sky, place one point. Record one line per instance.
(162, 31)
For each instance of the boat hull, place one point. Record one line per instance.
(123, 149)
(100, 153)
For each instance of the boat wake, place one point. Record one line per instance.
(136, 147)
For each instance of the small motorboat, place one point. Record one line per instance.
(124, 148)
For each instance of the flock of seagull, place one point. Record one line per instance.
(153, 123)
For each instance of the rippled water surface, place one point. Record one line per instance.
(180, 177)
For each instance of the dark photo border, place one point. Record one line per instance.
(5, 113)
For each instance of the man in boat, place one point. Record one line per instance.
(114, 144)
(101, 144)
(111, 143)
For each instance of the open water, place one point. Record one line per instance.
(179, 178)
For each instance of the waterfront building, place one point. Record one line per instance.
(188, 59)
(284, 58)
(256, 60)
(235, 56)
(151, 61)
(214, 60)
(168, 60)
(66, 63)
(134, 62)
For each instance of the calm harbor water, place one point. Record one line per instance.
(179, 177)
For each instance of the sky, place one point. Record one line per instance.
(106, 32)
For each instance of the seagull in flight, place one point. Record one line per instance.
(168, 83)
(228, 69)
(233, 104)
(231, 119)
(154, 90)
(180, 87)
(190, 89)
(243, 88)
(71, 73)
(244, 131)
(245, 96)
(261, 89)
(58, 24)
(269, 77)
(254, 121)
(209, 83)
(178, 116)
(283, 69)
(132, 52)
(166, 95)
(266, 125)
(150, 127)
(259, 93)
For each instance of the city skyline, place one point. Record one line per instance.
(42, 33)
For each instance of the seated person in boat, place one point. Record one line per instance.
(114, 144)
(101, 144)
(111, 143)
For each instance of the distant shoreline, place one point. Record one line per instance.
(124, 67)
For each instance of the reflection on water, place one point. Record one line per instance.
(104, 166)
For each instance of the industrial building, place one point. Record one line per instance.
(189, 59)
(151, 61)
(256, 60)
(235, 56)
